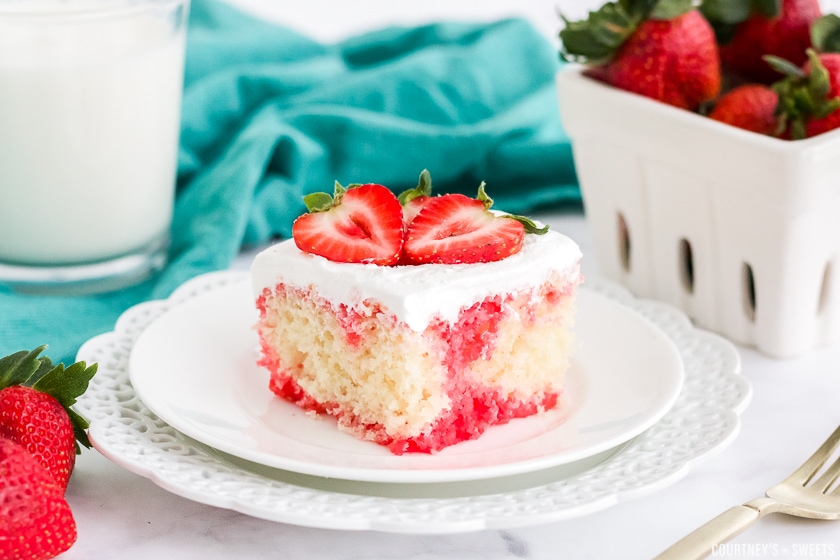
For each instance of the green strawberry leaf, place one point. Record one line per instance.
(726, 11)
(725, 15)
(803, 96)
(825, 33)
(596, 39)
(638, 8)
(338, 193)
(321, 201)
(767, 8)
(482, 196)
(17, 368)
(530, 225)
(66, 384)
(43, 369)
(670, 9)
(784, 67)
(80, 426)
(423, 188)
(318, 201)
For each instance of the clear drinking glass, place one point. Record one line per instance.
(90, 100)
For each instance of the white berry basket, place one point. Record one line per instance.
(740, 231)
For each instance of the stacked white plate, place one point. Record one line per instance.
(179, 399)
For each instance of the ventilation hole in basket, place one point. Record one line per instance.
(748, 291)
(686, 266)
(825, 289)
(623, 242)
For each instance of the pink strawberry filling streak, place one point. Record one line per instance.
(474, 406)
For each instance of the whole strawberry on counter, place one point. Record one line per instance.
(662, 49)
(35, 521)
(748, 30)
(39, 439)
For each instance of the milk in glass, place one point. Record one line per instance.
(90, 95)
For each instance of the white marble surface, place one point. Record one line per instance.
(795, 406)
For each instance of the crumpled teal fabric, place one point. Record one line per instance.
(269, 115)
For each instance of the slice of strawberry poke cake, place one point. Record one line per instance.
(418, 321)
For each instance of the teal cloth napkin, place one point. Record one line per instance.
(269, 115)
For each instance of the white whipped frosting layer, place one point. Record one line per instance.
(416, 294)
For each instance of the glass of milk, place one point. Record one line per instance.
(90, 99)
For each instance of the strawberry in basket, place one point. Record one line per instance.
(805, 103)
(748, 30)
(809, 97)
(751, 107)
(662, 49)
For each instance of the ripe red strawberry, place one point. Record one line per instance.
(454, 229)
(748, 30)
(751, 107)
(809, 97)
(660, 49)
(35, 401)
(829, 117)
(360, 224)
(35, 521)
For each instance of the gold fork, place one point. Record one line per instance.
(799, 494)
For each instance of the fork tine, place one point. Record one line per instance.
(824, 482)
(809, 468)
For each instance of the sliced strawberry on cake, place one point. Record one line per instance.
(455, 229)
(360, 224)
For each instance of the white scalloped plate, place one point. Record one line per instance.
(196, 368)
(702, 421)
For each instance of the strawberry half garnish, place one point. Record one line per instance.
(454, 229)
(360, 224)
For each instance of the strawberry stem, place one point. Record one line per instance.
(825, 33)
(423, 188)
(482, 196)
(530, 225)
